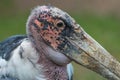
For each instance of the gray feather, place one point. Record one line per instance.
(8, 45)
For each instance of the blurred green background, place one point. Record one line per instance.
(99, 18)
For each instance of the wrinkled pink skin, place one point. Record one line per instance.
(54, 63)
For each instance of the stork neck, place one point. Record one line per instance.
(51, 70)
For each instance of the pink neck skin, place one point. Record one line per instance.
(54, 63)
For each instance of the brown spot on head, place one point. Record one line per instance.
(50, 29)
(52, 24)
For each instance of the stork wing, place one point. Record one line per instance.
(8, 45)
(8, 78)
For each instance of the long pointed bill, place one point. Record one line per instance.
(85, 51)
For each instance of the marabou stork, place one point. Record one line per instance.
(53, 40)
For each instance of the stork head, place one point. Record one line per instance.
(53, 25)
(65, 41)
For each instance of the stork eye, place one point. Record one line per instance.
(60, 24)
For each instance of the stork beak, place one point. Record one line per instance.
(84, 50)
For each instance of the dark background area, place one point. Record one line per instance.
(99, 18)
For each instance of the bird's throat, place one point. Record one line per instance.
(51, 70)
